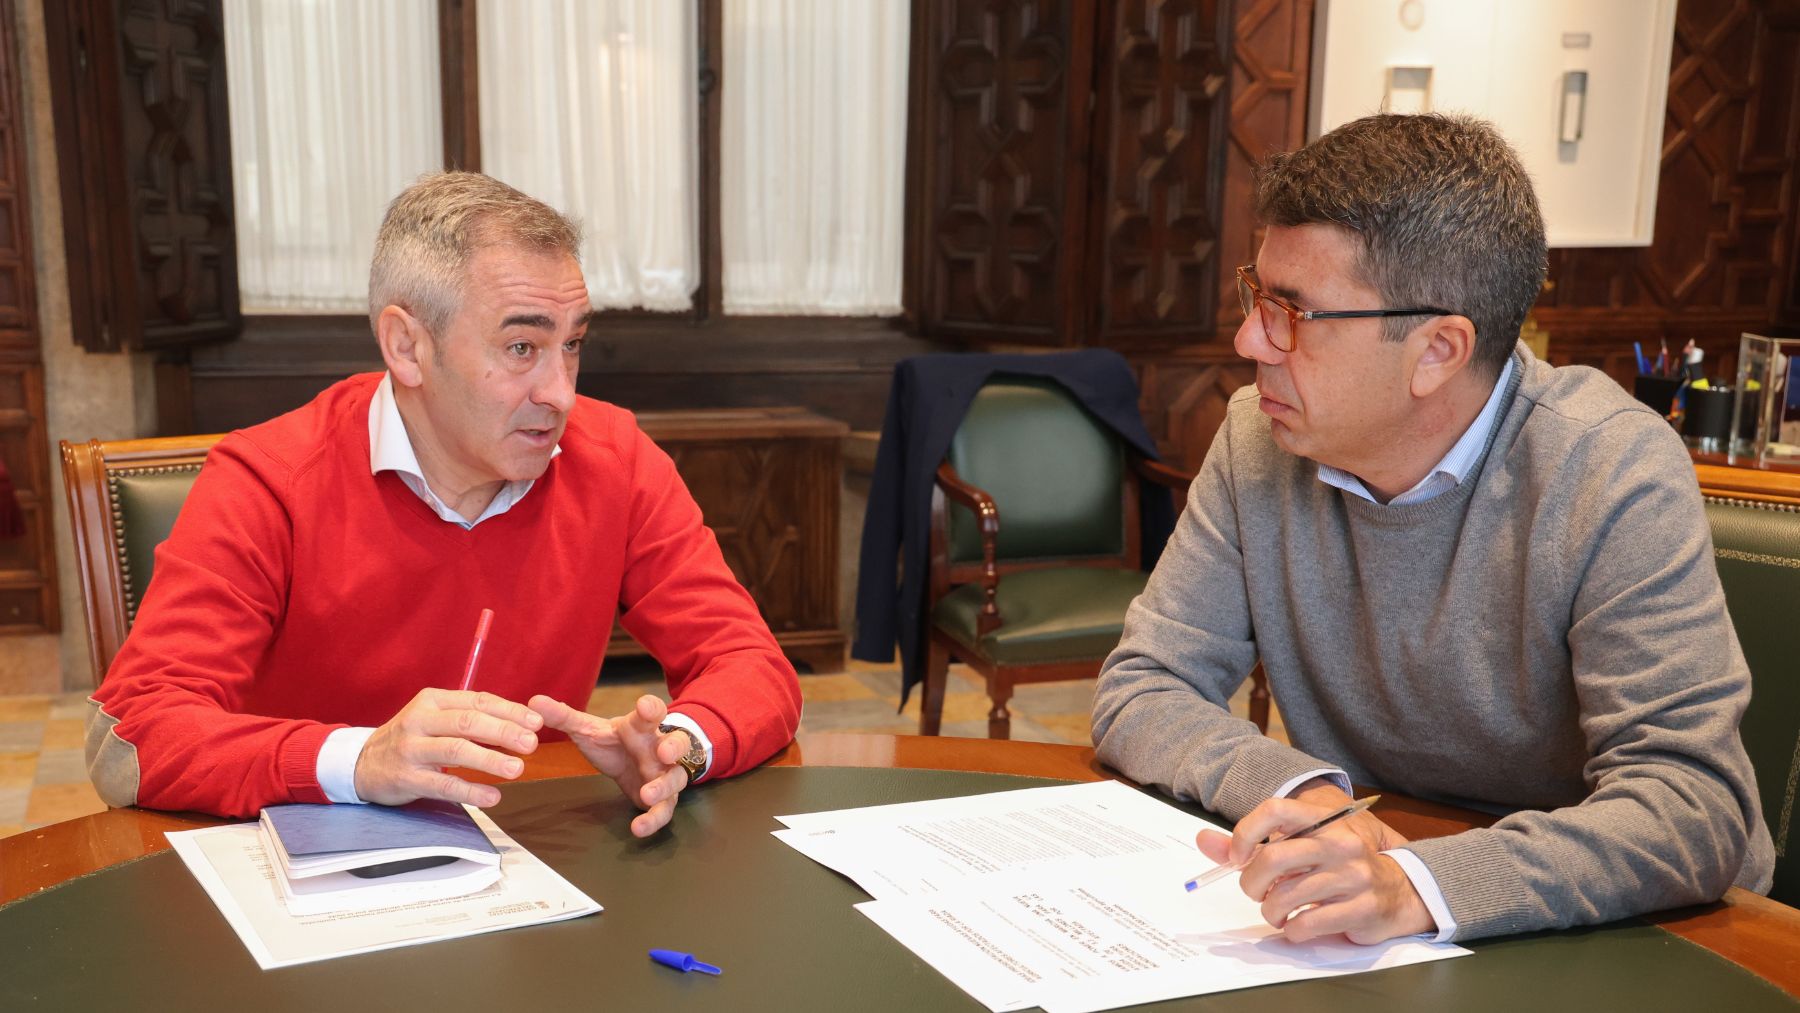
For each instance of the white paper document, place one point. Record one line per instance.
(233, 868)
(918, 848)
(1069, 898)
(312, 892)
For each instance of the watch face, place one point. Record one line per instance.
(694, 760)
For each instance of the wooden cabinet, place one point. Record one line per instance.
(767, 482)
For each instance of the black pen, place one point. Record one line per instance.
(1214, 875)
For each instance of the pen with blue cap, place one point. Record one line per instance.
(682, 961)
(1216, 874)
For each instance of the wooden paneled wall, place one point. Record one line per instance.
(1723, 258)
(837, 367)
(997, 178)
(1079, 174)
(28, 599)
(1063, 186)
(1271, 65)
(144, 141)
(1160, 115)
(1184, 392)
(1726, 252)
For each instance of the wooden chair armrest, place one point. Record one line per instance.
(987, 516)
(973, 497)
(1162, 474)
(1174, 479)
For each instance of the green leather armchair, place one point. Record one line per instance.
(1034, 544)
(1756, 542)
(123, 499)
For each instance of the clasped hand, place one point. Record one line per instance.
(1335, 881)
(405, 758)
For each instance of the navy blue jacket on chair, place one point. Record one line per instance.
(929, 397)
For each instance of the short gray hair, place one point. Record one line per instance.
(1444, 211)
(435, 225)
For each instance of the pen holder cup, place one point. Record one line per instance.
(1708, 417)
(1656, 391)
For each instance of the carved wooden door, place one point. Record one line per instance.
(998, 190)
(138, 90)
(1067, 161)
(1159, 144)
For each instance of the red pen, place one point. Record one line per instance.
(481, 632)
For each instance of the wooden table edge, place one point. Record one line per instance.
(1758, 934)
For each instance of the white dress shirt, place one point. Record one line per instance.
(391, 449)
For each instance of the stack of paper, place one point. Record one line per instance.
(361, 857)
(1069, 898)
(240, 877)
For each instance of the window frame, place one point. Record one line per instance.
(460, 78)
(726, 360)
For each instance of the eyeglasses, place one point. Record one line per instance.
(1280, 327)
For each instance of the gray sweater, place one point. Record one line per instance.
(1548, 640)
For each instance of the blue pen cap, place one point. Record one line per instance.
(682, 961)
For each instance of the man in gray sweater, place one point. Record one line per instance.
(1469, 576)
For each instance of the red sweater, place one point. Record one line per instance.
(299, 594)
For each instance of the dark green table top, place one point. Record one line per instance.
(144, 936)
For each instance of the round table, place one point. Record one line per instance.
(1756, 934)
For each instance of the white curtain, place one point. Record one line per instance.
(813, 155)
(334, 109)
(592, 106)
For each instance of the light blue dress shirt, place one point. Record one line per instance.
(1447, 475)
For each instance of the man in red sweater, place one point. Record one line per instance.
(305, 631)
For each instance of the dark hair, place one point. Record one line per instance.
(1444, 210)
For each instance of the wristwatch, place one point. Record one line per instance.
(694, 760)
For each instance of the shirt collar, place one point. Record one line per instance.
(1451, 470)
(391, 449)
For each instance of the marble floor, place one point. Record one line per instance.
(43, 778)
